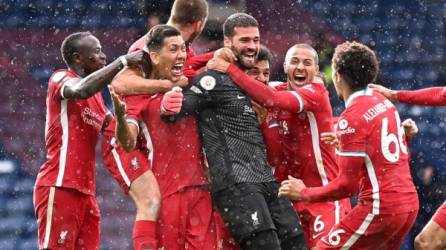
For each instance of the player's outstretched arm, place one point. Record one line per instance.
(435, 96)
(259, 92)
(388, 93)
(345, 185)
(125, 132)
(94, 82)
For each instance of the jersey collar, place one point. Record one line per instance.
(358, 93)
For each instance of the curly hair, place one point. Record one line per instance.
(356, 63)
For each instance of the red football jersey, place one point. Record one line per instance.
(71, 132)
(175, 148)
(304, 156)
(370, 127)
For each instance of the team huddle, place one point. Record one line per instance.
(216, 158)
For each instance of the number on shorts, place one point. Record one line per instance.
(318, 224)
(334, 237)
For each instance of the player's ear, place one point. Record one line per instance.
(284, 67)
(76, 57)
(197, 25)
(227, 42)
(154, 57)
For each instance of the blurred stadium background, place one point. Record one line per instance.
(409, 37)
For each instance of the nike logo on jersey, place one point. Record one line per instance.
(241, 97)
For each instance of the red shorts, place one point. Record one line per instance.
(66, 218)
(124, 166)
(318, 218)
(224, 238)
(186, 220)
(363, 230)
(440, 216)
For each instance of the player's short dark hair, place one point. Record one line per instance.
(157, 34)
(70, 45)
(356, 63)
(264, 55)
(238, 20)
(189, 11)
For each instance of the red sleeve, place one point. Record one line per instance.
(352, 135)
(135, 104)
(435, 96)
(195, 63)
(264, 95)
(345, 185)
(58, 81)
(271, 136)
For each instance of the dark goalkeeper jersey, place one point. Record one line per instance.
(229, 131)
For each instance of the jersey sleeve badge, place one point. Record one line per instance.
(207, 82)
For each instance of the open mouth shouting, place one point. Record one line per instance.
(300, 78)
(177, 69)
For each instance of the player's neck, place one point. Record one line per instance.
(78, 70)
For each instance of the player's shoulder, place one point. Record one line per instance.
(61, 75)
(314, 88)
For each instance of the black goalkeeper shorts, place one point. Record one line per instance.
(254, 207)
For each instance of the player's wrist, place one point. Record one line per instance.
(394, 95)
(123, 61)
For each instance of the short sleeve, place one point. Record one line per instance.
(59, 81)
(310, 97)
(135, 105)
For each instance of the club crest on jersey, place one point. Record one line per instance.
(207, 82)
(135, 163)
(343, 124)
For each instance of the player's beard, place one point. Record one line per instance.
(241, 60)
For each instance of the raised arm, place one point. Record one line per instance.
(94, 82)
(132, 82)
(435, 96)
(126, 132)
(259, 92)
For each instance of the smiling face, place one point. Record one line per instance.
(300, 66)
(168, 62)
(260, 71)
(245, 43)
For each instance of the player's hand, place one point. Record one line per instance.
(225, 54)
(292, 188)
(261, 112)
(330, 138)
(218, 64)
(388, 93)
(136, 58)
(172, 102)
(118, 105)
(181, 82)
(410, 128)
